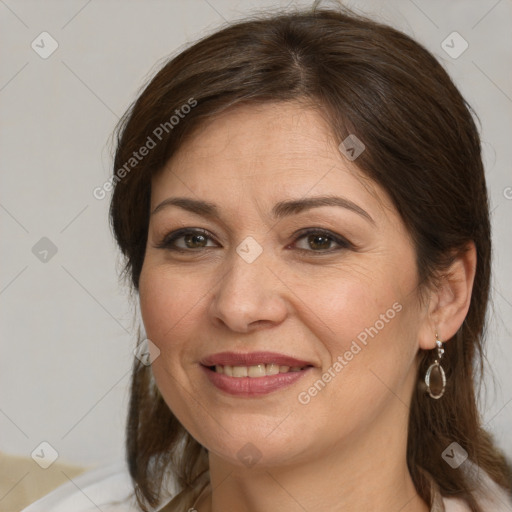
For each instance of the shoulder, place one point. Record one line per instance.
(491, 497)
(501, 503)
(107, 488)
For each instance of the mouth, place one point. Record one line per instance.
(253, 374)
(253, 364)
(255, 371)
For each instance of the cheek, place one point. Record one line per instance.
(367, 365)
(344, 304)
(166, 302)
(367, 321)
(167, 309)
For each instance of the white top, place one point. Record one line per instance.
(110, 489)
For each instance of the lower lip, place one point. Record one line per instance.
(253, 386)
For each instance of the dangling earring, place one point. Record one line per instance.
(436, 367)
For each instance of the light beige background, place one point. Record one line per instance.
(66, 324)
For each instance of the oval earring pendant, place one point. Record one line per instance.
(436, 373)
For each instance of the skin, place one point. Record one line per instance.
(346, 448)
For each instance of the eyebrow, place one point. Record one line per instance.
(279, 211)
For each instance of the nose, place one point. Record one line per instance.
(249, 296)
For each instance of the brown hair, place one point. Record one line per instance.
(422, 147)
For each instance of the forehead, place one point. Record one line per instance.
(259, 134)
(271, 150)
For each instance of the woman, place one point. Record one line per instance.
(302, 206)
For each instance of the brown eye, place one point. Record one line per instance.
(192, 240)
(186, 239)
(321, 241)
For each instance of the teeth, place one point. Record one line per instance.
(240, 371)
(255, 371)
(271, 369)
(259, 370)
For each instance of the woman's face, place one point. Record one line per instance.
(266, 267)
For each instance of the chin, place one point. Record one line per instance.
(250, 448)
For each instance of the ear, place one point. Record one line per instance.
(449, 301)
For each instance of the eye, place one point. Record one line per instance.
(193, 239)
(317, 240)
(320, 241)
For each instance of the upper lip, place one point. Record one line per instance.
(252, 359)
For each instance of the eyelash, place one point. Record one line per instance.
(168, 240)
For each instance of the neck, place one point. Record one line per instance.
(366, 472)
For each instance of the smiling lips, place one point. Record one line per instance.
(253, 374)
(259, 370)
